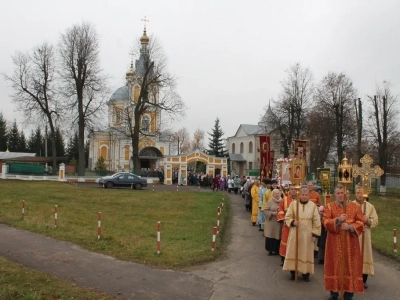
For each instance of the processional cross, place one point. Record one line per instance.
(367, 172)
(145, 20)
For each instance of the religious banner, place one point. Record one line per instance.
(265, 156)
(325, 179)
(271, 165)
(300, 149)
(284, 171)
(298, 171)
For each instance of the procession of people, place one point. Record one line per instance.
(301, 230)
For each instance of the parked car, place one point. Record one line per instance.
(123, 179)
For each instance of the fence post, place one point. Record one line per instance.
(213, 238)
(218, 217)
(99, 226)
(23, 209)
(158, 237)
(55, 216)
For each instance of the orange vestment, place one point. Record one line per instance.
(314, 197)
(283, 207)
(335, 263)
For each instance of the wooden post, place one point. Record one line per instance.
(296, 264)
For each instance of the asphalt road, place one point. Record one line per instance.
(246, 273)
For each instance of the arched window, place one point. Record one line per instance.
(118, 116)
(241, 148)
(146, 123)
(127, 156)
(233, 148)
(104, 152)
(136, 94)
(250, 147)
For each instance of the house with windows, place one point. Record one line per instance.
(243, 147)
(243, 150)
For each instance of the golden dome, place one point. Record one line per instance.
(144, 39)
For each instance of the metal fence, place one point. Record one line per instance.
(392, 185)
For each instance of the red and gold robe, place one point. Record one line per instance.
(314, 197)
(335, 263)
(283, 207)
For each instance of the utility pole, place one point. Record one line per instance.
(358, 108)
(45, 142)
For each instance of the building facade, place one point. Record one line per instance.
(113, 143)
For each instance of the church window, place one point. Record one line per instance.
(251, 147)
(118, 117)
(127, 156)
(104, 152)
(136, 95)
(233, 148)
(241, 148)
(146, 123)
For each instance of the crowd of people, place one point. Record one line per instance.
(298, 228)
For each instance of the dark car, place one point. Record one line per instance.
(123, 179)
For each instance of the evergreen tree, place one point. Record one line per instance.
(60, 145)
(14, 138)
(3, 133)
(73, 147)
(216, 146)
(36, 142)
(22, 143)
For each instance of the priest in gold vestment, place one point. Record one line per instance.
(371, 220)
(343, 273)
(309, 228)
(255, 199)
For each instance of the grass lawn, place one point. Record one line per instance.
(18, 282)
(388, 209)
(129, 220)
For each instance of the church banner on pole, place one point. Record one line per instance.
(300, 149)
(265, 156)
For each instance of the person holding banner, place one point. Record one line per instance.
(309, 224)
(371, 220)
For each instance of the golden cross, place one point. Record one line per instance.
(367, 172)
(132, 55)
(145, 20)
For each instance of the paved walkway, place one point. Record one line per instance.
(248, 273)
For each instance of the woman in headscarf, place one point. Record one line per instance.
(273, 227)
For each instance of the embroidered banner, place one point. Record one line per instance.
(265, 156)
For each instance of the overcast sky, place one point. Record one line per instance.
(229, 56)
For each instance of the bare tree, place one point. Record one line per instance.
(383, 126)
(84, 85)
(336, 93)
(321, 139)
(180, 141)
(198, 139)
(34, 84)
(154, 89)
(288, 117)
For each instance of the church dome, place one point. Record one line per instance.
(121, 94)
(144, 39)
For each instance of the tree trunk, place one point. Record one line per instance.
(53, 145)
(135, 147)
(81, 132)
